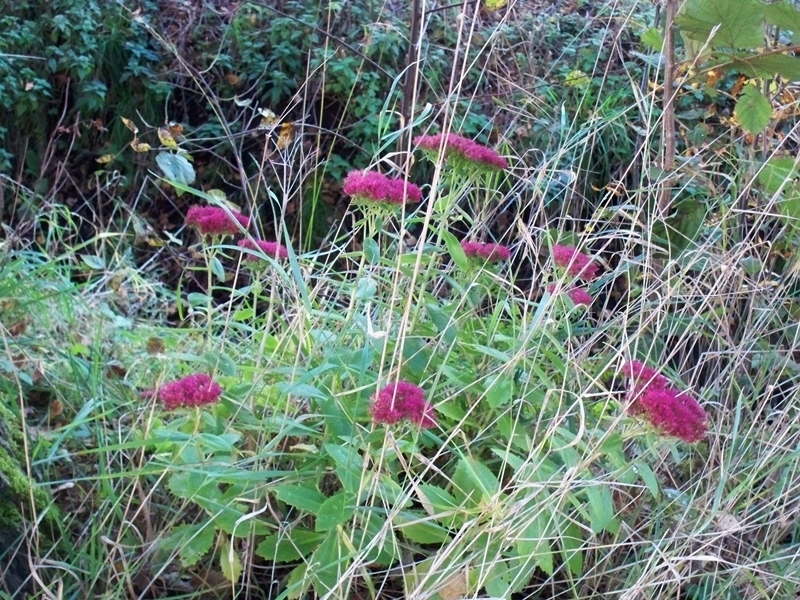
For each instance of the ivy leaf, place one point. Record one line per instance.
(753, 110)
(176, 167)
(735, 24)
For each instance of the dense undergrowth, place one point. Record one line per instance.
(269, 336)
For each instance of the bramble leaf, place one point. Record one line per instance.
(753, 110)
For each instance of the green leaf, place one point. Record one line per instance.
(192, 542)
(175, 167)
(415, 529)
(372, 251)
(443, 322)
(217, 269)
(601, 509)
(335, 510)
(571, 544)
(738, 23)
(293, 545)
(349, 466)
(784, 15)
(753, 110)
(648, 477)
(652, 38)
(230, 563)
(439, 504)
(327, 564)
(777, 172)
(767, 66)
(474, 482)
(456, 251)
(499, 390)
(303, 496)
(98, 263)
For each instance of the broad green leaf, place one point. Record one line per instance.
(767, 66)
(456, 251)
(652, 38)
(439, 503)
(778, 171)
(601, 509)
(783, 14)
(303, 496)
(648, 477)
(474, 482)
(497, 582)
(217, 443)
(327, 564)
(372, 251)
(292, 545)
(443, 322)
(414, 528)
(349, 466)
(191, 541)
(735, 24)
(176, 167)
(335, 510)
(499, 390)
(229, 562)
(571, 544)
(753, 110)
(533, 548)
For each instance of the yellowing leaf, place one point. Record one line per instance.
(130, 125)
(286, 136)
(495, 4)
(269, 118)
(165, 137)
(139, 146)
(106, 158)
(176, 129)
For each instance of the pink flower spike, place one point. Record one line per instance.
(272, 249)
(673, 413)
(194, 390)
(488, 252)
(580, 297)
(644, 376)
(577, 264)
(461, 151)
(213, 220)
(402, 400)
(371, 186)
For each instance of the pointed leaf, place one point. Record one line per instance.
(735, 24)
(176, 167)
(230, 563)
(753, 110)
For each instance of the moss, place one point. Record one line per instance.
(15, 485)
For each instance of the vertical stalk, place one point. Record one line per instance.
(668, 125)
(410, 80)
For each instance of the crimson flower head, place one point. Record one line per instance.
(213, 220)
(193, 390)
(402, 400)
(576, 263)
(272, 249)
(371, 186)
(671, 412)
(578, 295)
(462, 152)
(489, 252)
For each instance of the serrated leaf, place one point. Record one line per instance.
(784, 15)
(652, 38)
(735, 24)
(106, 158)
(415, 529)
(130, 125)
(229, 562)
(196, 543)
(293, 545)
(329, 564)
(176, 167)
(601, 510)
(767, 66)
(302, 496)
(753, 110)
(166, 139)
(334, 511)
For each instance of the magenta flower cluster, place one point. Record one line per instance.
(576, 263)
(371, 186)
(486, 251)
(578, 295)
(193, 390)
(213, 220)
(271, 249)
(671, 412)
(459, 151)
(402, 400)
